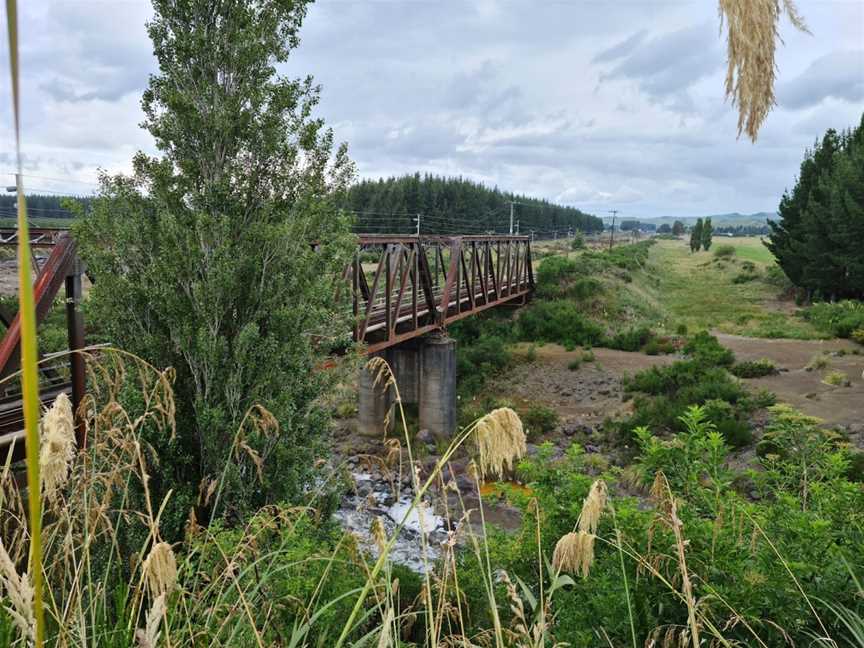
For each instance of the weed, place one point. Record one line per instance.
(588, 356)
(574, 365)
(818, 362)
(837, 379)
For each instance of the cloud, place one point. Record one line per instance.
(838, 75)
(666, 66)
(621, 49)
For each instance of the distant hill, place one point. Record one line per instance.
(733, 219)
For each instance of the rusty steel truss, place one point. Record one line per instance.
(61, 268)
(402, 287)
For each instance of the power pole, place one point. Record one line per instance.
(517, 228)
(614, 213)
(418, 225)
(513, 202)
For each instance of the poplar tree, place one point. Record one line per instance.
(706, 234)
(696, 236)
(218, 256)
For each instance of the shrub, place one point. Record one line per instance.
(539, 419)
(706, 350)
(557, 321)
(578, 241)
(724, 251)
(574, 365)
(754, 368)
(681, 329)
(858, 335)
(840, 319)
(630, 340)
(585, 288)
(588, 356)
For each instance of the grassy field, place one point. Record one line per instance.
(699, 290)
(748, 248)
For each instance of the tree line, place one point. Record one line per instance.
(456, 205)
(45, 205)
(817, 239)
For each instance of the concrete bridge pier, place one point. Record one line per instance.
(374, 400)
(438, 386)
(405, 361)
(425, 372)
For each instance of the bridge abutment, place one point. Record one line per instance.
(425, 371)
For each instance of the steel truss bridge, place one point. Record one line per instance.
(399, 287)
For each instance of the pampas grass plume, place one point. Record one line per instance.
(593, 507)
(19, 591)
(500, 440)
(574, 553)
(160, 569)
(57, 449)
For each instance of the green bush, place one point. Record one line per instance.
(574, 365)
(557, 321)
(630, 340)
(754, 368)
(588, 356)
(839, 319)
(681, 329)
(578, 241)
(539, 419)
(706, 350)
(724, 251)
(858, 335)
(479, 359)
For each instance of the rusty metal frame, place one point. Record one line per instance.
(61, 269)
(422, 284)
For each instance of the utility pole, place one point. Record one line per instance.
(517, 228)
(513, 202)
(418, 225)
(614, 213)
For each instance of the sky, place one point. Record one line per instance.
(609, 104)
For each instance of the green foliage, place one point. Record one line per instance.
(734, 565)
(539, 419)
(295, 561)
(858, 335)
(744, 277)
(817, 237)
(707, 351)
(574, 365)
(578, 241)
(557, 321)
(630, 340)
(754, 368)
(678, 228)
(203, 256)
(839, 319)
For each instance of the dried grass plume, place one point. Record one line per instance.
(160, 569)
(57, 447)
(752, 37)
(500, 440)
(593, 507)
(574, 553)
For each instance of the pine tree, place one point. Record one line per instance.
(696, 236)
(706, 234)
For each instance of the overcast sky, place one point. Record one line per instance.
(597, 104)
